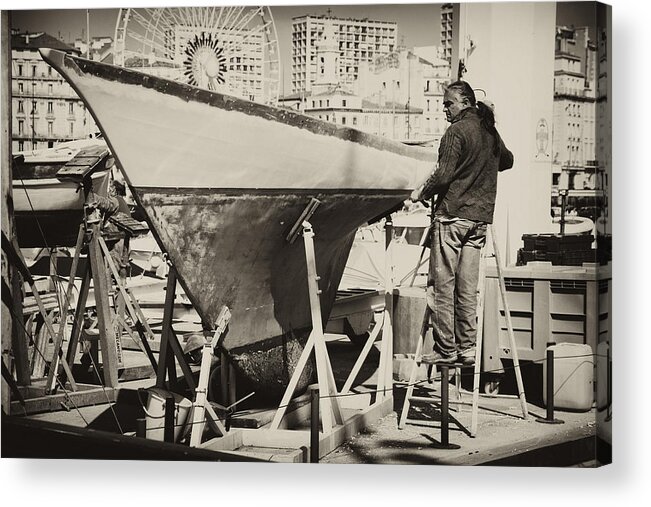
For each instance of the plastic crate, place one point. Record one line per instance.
(557, 243)
(548, 304)
(563, 258)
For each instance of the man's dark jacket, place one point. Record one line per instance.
(466, 177)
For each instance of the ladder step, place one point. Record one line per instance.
(424, 399)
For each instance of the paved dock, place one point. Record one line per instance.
(503, 437)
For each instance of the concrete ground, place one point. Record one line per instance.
(503, 436)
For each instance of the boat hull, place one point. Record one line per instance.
(230, 248)
(48, 211)
(222, 181)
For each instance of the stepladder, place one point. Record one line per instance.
(442, 399)
(444, 368)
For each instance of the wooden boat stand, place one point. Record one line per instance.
(342, 413)
(111, 324)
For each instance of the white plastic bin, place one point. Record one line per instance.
(155, 413)
(573, 376)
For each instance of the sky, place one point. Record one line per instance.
(418, 24)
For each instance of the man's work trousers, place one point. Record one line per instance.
(452, 284)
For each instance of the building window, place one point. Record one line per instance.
(72, 127)
(21, 145)
(34, 145)
(21, 127)
(50, 128)
(33, 88)
(20, 106)
(343, 120)
(50, 107)
(49, 71)
(49, 89)
(354, 120)
(20, 88)
(33, 106)
(343, 102)
(20, 70)
(71, 108)
(33, 70)
(428, 105)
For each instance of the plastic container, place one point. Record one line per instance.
(573, 377)
(155, 413)
(602, 375)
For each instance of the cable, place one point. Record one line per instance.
(105, 393)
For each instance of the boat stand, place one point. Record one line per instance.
(111, 323)
(341, 413)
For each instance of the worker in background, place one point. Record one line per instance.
(465, 185)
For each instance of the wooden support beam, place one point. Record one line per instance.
(364, 353)
(7, 201)
(104, 317)
(58, 340)
(164, 355)
(86, 395)
(78, 324)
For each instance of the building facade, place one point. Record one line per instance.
(436, 76)
(574, 160)
(447, 29)
(45, 109)
(359, 41)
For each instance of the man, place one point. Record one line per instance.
(465, 183)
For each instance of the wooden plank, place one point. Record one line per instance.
(164, 353)
(78, 324)
(509, 325)
(293, 382)
(19, 341)
(106, 331)
(275, 438)
(58, 341)
(354, 425)
(69, 400)
(180, 358)
(8, 326)
(229, 442)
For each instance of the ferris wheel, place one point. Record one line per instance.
(232, 50)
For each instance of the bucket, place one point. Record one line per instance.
(155, 413)
(573, 376)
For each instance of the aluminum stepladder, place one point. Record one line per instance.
(478, 355)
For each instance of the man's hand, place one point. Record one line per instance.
(415, 195)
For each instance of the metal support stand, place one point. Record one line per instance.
(549, 419)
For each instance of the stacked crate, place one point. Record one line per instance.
(560, 250)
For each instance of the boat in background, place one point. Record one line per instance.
(222, 181)
(49, 190)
